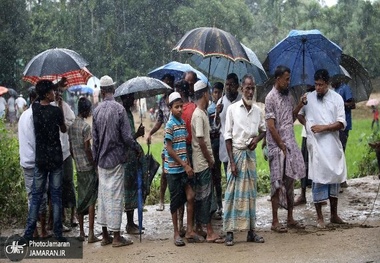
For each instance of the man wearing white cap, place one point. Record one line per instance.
(111, 133)
(203, 161)
(244, 128)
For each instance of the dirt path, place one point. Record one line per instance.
(348, 243)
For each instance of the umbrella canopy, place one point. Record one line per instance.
(220, 67)
(12, 93)
(210, 42)
(304, 52)
(360, 81)
(372, 102)
(55, 63)
(81, 89)
(176, 69)
(142, 87)
(3, 90)
(93, 83)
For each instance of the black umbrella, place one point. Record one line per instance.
(55, 63)
(142, 87)
(360, 81)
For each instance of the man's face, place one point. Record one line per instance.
(248, 89)
(191, 80)
(176, 109)
(321, 87)
(231, 89)
(284, 81)
(51, 95)
(128, 100)
(169, 82)
(216, 94)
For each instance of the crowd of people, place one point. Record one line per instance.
(202, 133)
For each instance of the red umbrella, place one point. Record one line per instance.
(3, 90)
(75, 77)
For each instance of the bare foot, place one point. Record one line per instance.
(301, 200)
(321, 224)
(93, 239)
(337, 220)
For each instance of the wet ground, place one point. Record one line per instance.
(358, 241)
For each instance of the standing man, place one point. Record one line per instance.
(216, 172)
(245, 127)
(163, 117)
(349, 104)
(203, 161)
(111, 133)
(323, 118)
(131, 168)
(285, 158)
(48, 120)
(190, 77)
(21, 105)
(232, 95)
(27, 150)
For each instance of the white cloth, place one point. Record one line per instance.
(69, 120)
(27, 140)
(223, 156)
(3, 106)
(11, 105)
(241, 125)
(327, 163)
(20, 105)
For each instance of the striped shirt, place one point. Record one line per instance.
(111, 134)
(176, 132)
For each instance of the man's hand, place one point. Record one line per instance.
(252, 146)
(233, 169)
(318, 128)
(189, 171)
(219, 108)
(149, 139)
(140, 131)
(211, 164)
(62, 83)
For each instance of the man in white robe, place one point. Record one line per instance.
(323, 117)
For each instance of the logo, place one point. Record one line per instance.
(16, 248)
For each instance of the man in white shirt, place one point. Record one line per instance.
(21, 105)
(244, 128)
(232, 95)
(323, 118)
(3, 106)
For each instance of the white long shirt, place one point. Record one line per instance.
(27, 140)
(241, 125)
(223, 156)
(327, 163)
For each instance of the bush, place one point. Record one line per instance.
(13, 199)
(368, 163)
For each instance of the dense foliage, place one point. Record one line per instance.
(125, 38)
(13, 199)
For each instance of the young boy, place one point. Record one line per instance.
(179, 172)
(80, 148)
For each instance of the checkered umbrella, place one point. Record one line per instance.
(56, 63)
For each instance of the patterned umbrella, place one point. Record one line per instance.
(56, 63)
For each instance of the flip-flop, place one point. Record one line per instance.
(107, 241)
(179, 242)
(123, 242)
(218, 240)
(195, 239)
(161, 207)
(93, 240)
(296, 225)
(255, 238)
(279, 229)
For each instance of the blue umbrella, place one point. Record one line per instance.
(176, 69)
(220, 67)
(304, 52)
(81, 89)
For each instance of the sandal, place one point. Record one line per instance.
(296, 225)
(107, 241)
(255, 238)
(179, 242)
(218, 240)
(279, 228)
(195, 239)
(229, 241)
(123, 242)
(93, 239)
